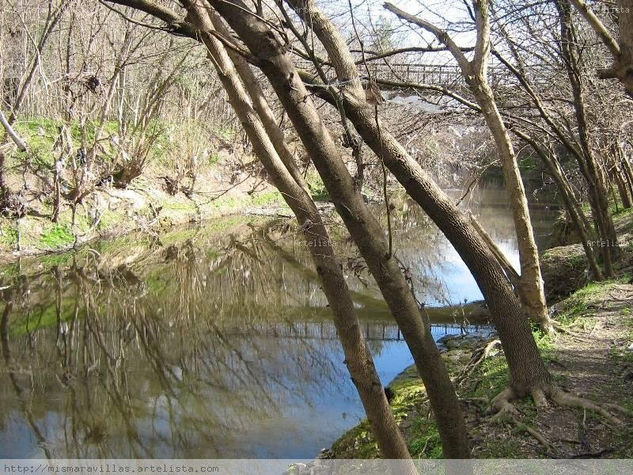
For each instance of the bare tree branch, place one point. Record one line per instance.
(175, 23)
(598, 27)
(440, 34)
(21, 144)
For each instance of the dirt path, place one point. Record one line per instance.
(593, 358)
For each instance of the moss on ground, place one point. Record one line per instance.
(409, 406)
(266, 198)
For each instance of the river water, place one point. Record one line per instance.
(208, 342)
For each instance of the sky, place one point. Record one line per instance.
(369, 13)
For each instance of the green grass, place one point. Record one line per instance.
(42, 133)
(10, 272)
(576, 307)
(267, 197)
(53, 260)
(318, 192)
(57, 236)
(225, 131)
(157, 282)
(426, 444)
(214, 158)
(109, 219)
(493, 374)
(8, 235)
(619, 353)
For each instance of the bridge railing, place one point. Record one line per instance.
(442, 75)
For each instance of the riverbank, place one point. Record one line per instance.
(144, 206)
(592, 356)
(564, 268)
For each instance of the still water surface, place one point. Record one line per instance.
(210, 342)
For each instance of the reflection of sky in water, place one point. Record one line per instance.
(309, 415)
(458, 283)
(433, 257)
(300, 429)
(256, 395)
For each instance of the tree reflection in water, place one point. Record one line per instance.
(203, 347)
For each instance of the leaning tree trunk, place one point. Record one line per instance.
(275, 63)
(574, 210)
(357, 356)
(260, 104)
(527, 370)
(598, 197)
(618, 175)
(625, 61)
(475, 73)
(621, 49)
(531, 284)
(627, 169)
(574, 150)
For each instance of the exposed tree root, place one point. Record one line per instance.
(539, 398)
(620, 409)
(507, 412)
(563, 398)
(534, 433)
(592, 455)
(503, 406)
(560, 328)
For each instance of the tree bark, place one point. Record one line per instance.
(475, 73)
(574, 148)
(526, 366)
(574, 210)
(260, 104)
(531, 285)
(598, 197)
(618, 174)
(627, 169)
(357, 356)
(625, 61)
(622, 50)
(363, 227)
(21, 144)
(549, 158)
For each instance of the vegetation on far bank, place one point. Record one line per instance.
(522, 98)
